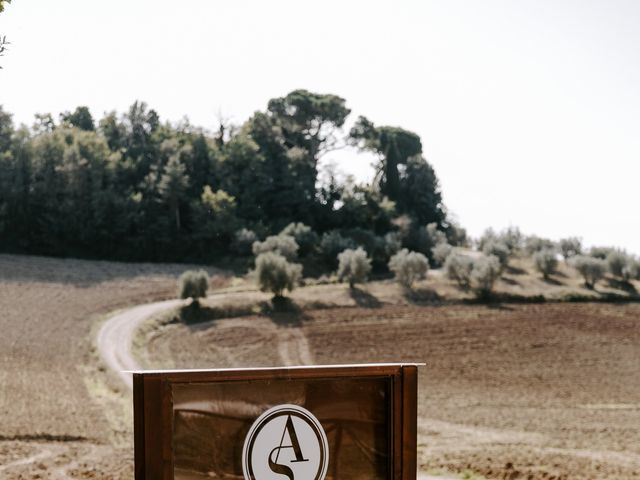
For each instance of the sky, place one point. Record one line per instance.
(528, 110)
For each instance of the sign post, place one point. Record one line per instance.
(297, 423)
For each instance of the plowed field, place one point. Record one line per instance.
(59, 417)
(515, 391)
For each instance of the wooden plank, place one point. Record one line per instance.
(409, 421)
(138, 426)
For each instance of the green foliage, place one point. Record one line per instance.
(601, 252)
(243, 241)
(620, 264)
(193, 284)
(80, 118)
(458, 267)
(592, 269)
(416, 189)
(283, 245)
(306, 238)
(408, 267)
(354, 266)
(499, 250)
(392, 243)
(533, 244)
(486, 270)
(441, 252)
(546, 261)
(456, 234)
(130, 186)
(332, 244)
(570, 247)
(275, 274)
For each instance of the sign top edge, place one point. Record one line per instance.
(294, 367)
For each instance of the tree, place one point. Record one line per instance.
(354, 265)
(275, 274)
(592, 269)
(570, 247)
(172, 185)
(415, 189)
(193, 284)
(80, 118)
(408, 267)
(283, 245)
(546, 261)
(2, 4)
(304, 236)
(499, 250)
(458, 267)
(486, 270)
(619, 263)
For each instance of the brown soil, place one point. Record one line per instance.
(57, 417)
(520, 391)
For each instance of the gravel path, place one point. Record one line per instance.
(116, 336)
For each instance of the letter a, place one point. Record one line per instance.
(295, 445)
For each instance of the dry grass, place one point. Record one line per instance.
(50, 399)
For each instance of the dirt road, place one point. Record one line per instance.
(116, 336)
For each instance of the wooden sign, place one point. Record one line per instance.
(345, 422)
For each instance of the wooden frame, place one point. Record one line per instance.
(153, 409)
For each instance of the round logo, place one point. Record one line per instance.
(286, 441)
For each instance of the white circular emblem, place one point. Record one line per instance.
(286, 441)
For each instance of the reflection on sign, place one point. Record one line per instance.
(212, 433)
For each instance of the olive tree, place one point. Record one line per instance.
(619, 263)
(570, 247)
(408, 267)
(193, 284)
(486, 270)
(498, 249)
(592, 269)
(458, 267)
(283, 245)
(546, 261)
(275, 274)
(354, 266)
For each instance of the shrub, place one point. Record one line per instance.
(440, 253)
(457, 235)
(275, 274)
(304, 236)
(392, 243)
(458, 267)
(485, 272)
(281, 244)
(570, 247)
(512, 237)
(633, 269)
(354, 265)
(193, 284)
(243, 241)
(546, 261)
(533, 244)
(489, 235)
(601, 252)
(332, 244)
(619, 263)
(408, 267)
(499, 250)
(435, 236)
(592, 269)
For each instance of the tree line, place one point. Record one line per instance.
(132, 187)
